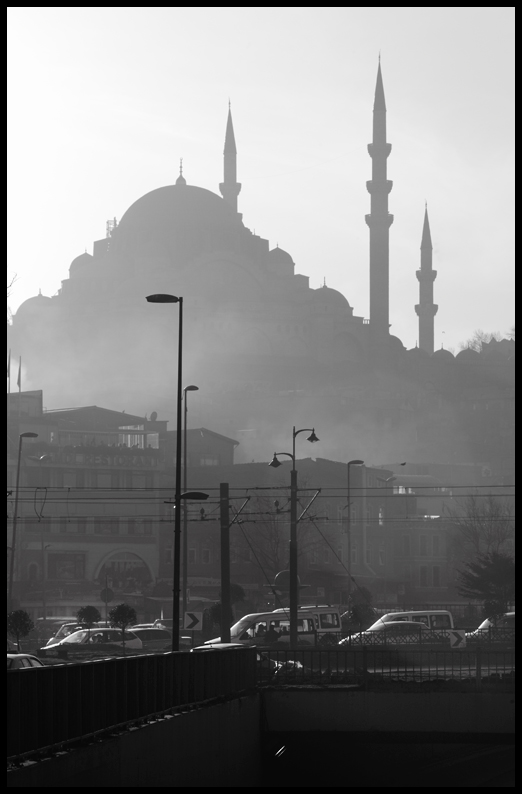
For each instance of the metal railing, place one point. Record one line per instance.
(364, 665)
(60, 703)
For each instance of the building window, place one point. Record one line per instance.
(406, 545)
(382, 554)
(435, 545)
(81, 526)
(206, 556)
(168, 555)
(423, 545)
(208, 461)
(423, 576)
(66, 566)
(340, 557)
(192, 556)
(354, 553)
(368, 552)
(436, 576)
(381, 516)
(326, 556)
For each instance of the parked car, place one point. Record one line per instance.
(163, 623)
(401, 632)
(91, 642)
(66, 629)
(499, 629)
(22, 661)
(153, 638)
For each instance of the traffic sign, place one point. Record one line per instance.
(457, 638)
(106, 595)
(193, 620)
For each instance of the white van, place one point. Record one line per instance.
(266, 628)
(432, 618)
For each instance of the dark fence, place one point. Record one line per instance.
(366, 665)
(50, 705)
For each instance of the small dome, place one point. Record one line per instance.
(327, 299)
(80, 261)
(468, 355)
(443, 355)
(33, 306)
(279, 256)
(417, 352)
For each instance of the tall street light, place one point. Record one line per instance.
(185, 516)
(349, 525)
(15, 516)
(294, 581)
(162, 298)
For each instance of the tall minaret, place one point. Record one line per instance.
(379, 220)
(230, 187)
(426, 309)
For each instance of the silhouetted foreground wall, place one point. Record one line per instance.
(213, 746)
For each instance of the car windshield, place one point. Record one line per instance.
(77, 636)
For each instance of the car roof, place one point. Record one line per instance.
(23, 656)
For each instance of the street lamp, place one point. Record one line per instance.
(294, 582)
(185, 516)
(162, 298)
(15, 516)
(349, 524)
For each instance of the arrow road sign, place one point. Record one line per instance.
(457, 638)
(193, 620)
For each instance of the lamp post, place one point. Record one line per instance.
(162, 298)
(349, 525)
(15, 516)
(294, 586)
(185, 517)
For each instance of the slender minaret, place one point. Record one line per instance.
(426, 309)
(230, 187)
(379, 220)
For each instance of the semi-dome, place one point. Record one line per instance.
(279, 256)
(468, 355)
(176, 221)
(327, 299)
(33, 306)
(443, 355)
(80, 262)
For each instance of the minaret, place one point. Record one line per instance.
(379, 220)
(230, 187)
(426, 309)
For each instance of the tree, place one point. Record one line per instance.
(490, 579)
(19, 624)
(236, 594)
(478, 337)
(485, 525)
(361, 612)
(88, 616)
(121, 617)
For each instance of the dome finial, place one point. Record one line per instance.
(181, 179)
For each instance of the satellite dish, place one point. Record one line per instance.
(153, 416)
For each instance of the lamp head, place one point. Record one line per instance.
(191, 388)
(355, 462)
(28, 434)
(161, 298)
(312, 437)
(275, 463)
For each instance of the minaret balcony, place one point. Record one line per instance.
(426, 275)
(379, 149)
(379, 221)
(426, 309)
(378, 186)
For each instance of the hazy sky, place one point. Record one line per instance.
(103, 102)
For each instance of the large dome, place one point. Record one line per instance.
(177, 222)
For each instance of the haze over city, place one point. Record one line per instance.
(103, 103)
